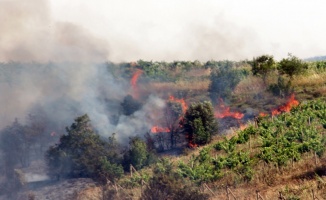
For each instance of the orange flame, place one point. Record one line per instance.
(262, 114)
(157, 129)
(181, 101)
(192, 145)
(223, 111)
(134, 78)
(242, 126)
(292, 102)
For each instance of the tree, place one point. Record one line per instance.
(130, 105)
(200, 123)
(173, 114)
(292, 66)
(15, 147)
(82, 153)
(138, 154)
(263, 65)
(223, 81)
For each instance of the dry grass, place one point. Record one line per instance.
(313, 79)
(250, 85)
(322, 90)
(181, 85)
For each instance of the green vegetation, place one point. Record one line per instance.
(138, 154)
(281, 140)
(263, 66)
(292, 66)
(224, 79)
(199, 123)
(81, 153)
(291, 141)
(167, 184)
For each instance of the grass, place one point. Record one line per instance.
(310, 79)
(294, 181)
(201, 85)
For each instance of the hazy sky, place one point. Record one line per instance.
(127, 30)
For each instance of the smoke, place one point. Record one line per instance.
(28, 33)
(63, 91)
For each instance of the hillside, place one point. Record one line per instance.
(270, 139)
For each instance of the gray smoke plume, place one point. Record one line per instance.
(67, 90)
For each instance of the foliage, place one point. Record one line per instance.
(292, 66)
(138, 154)
(130, 105)
(200, 123)
(15, 143)
(166, 184)
(283, 140)
(263, 65)
(81, 153)
(223, 81)
(281, 88)
(320, 65)
(173, 116)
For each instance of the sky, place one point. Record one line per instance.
(129, 30)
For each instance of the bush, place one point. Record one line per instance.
(81, 153)
(292, 66)
(200, 123)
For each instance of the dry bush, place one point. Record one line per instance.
(322, 90)
(250, 85)
(181, 85)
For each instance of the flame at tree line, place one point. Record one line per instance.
(134, 78)
(158, 129)
(133, 83)
(222, 111)
(181, 101)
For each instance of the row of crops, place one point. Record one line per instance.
(277, 141)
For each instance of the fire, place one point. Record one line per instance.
(134, 78)
(242, 126)
(181, 101)
(223, 111)
(262, 114)
(292, 102)
(192, 145)
(157, 129)
(133, 83)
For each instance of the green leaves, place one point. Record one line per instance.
(81, 153)
(200, 123)
(223, 81)
(282, 140)
(292, 66)
(263, 65)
